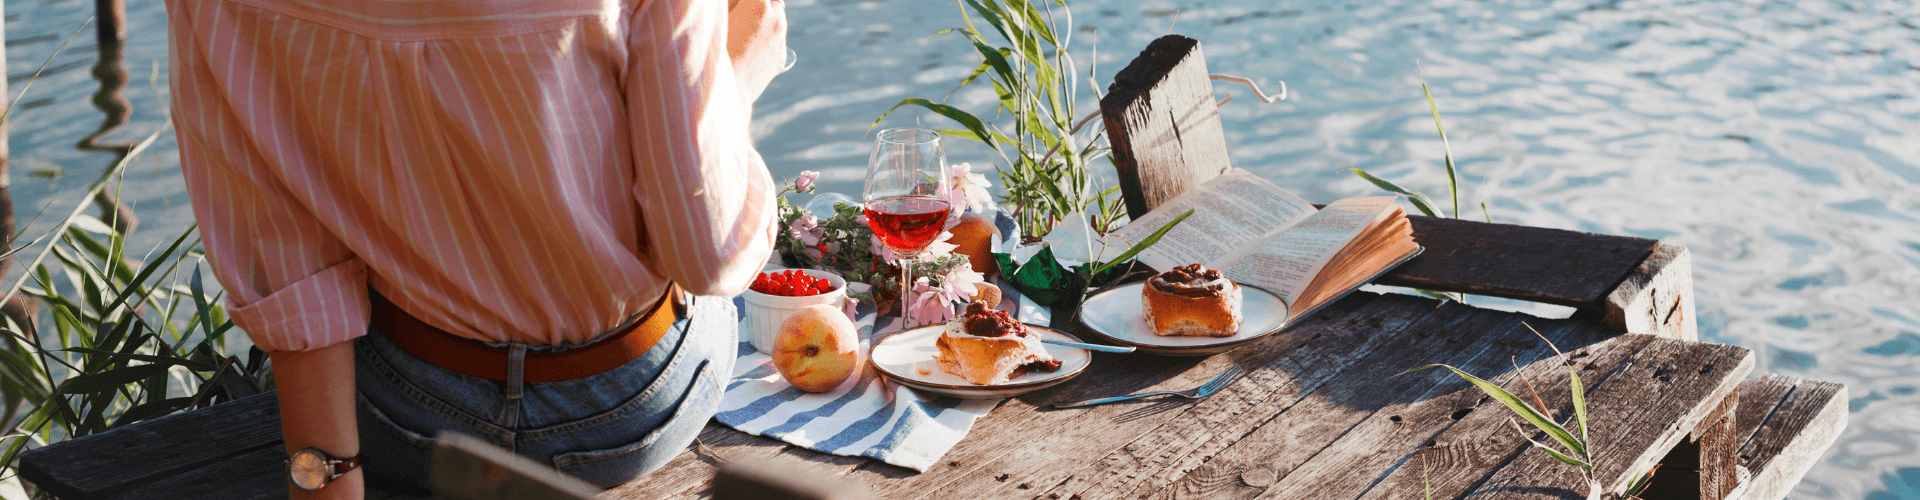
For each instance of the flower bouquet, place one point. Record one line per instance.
(843, 243)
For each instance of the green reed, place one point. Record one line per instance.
(1045, 155)
(128, 341)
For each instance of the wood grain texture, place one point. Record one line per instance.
(1390, 437)
(1657, 297)
(1553, 266)
(1163, 124)
(105, 464)
(1465, 453)
(1785, 436)
(1311, 375)
(1717, 445)
(1635, 417)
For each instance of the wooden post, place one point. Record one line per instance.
(1656, 298)
(1163, 123)
(113, 19)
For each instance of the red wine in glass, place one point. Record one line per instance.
(907, 224)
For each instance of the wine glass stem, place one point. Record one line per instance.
(906, 290)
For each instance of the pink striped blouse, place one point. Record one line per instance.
(529, 170)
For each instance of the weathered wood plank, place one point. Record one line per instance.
(1465, 453)
(1553, 266)
(1163, 454)
(1164, 126)
(1657, 297)
(1286, 442)
(102, 465)
(257, 474)
(1633, 419)
(1790, 434)
(1000, 463)
(1704, 467)
(1372, 448)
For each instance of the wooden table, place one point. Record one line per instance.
(1321, 413)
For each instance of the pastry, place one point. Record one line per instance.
(988, 347)
(1191, 300)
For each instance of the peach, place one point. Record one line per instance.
(973, 236)
(817, 348)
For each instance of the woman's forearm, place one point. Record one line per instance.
(317, 409)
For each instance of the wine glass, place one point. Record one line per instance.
(906, 197)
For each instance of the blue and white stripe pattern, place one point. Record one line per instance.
(871, 418)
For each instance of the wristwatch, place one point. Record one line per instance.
(311, 468)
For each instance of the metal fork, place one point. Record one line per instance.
(1220, 381)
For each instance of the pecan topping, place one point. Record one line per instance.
(979, 321)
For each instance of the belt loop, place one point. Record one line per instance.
(516, 378)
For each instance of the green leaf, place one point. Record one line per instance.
(1518, 406)
(1550, 451)
(150, 410)
(1453, 188)
(137, 285)
(92, 224)
(1420, 201)
(1143, 244)
(109, 380)
(205, 315)
(972, 123)
(154, 359)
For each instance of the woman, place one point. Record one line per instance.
(533, 202)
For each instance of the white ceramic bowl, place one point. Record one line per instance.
(765, 313)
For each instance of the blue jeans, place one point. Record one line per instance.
(606, 429)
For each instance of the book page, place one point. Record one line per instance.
(1231, 214)
(1286, 264)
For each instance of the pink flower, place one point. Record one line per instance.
(940, 247)
(806, 228)
(968, 190)
(958, 283)
(929, 305)
(880, 250)
(804, 183)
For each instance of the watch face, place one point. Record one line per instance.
(308, 469)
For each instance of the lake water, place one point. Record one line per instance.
(1779, 141)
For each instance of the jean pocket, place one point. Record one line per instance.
(612, 466)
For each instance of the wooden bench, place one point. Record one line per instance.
(1320, 410)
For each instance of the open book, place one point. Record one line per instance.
(1263, 236)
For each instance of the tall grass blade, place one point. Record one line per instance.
(1518, 406)
(1142, 245)
(1453, 186)
(109, 380)
(1549, 449)
(1573, 377)
(79, 208)
(1420, 201)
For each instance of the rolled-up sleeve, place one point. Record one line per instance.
(703, 190)
(291, 284)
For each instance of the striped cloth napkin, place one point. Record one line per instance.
(871, 418)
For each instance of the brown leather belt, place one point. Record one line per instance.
(475, 358)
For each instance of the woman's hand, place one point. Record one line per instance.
(757, 43)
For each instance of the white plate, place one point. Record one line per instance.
(1115, 315)
(907, 358)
